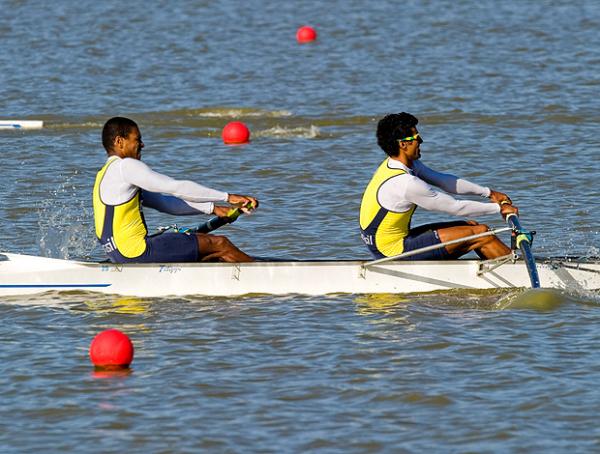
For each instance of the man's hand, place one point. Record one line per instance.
(506, 209)
(499, 197)
(242, 200)
(221, 211)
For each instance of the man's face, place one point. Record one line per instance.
(412, 148)
(131, 146)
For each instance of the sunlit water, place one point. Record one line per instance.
(506, 95)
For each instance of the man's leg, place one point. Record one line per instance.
(219, 248)
(487, 247)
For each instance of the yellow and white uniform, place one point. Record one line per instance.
(395, 191)
(122, 186)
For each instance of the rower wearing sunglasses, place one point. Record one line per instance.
(402, 183)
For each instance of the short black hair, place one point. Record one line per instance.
(116, 127)
(392, 128)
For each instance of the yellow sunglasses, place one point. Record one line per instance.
(411, 138)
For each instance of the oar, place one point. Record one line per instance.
(216, 222)
(523, 240)
(437, 246)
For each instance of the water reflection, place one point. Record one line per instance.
(382, 303)
(542, 300)
(122, 373)
(119, 305)
(486, 300)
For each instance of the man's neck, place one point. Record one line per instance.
(404, 160)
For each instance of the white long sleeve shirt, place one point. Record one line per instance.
(124, 176)
(415, 187)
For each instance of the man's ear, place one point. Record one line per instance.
(118, 142)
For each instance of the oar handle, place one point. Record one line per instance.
(216, 222)
(513, 221)
(520, 233)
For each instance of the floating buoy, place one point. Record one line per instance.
(111, 349)
(235, 132)
(306, 34)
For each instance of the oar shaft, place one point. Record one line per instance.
(524, 244)
(211, 224)
(437, 246)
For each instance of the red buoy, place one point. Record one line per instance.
(111, 349)
(235, 132)
(306, 34)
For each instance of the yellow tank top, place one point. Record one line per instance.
(121, 227)
(382, 230)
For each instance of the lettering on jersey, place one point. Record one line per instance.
(367, 239)
(109, 246)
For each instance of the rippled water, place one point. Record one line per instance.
(506, 94)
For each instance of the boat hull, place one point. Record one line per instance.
(22, 274)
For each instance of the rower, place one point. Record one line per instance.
(125, 184)
(402, 183)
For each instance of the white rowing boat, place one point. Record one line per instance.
(21, 124)
(24, 274)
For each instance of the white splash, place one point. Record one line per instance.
(65, 223)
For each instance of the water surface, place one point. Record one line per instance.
(506, 95)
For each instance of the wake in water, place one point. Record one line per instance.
(541, 300)
(305, 132)
(200, 117)
(545, 300)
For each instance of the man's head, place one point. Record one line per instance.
(121, 136)
(393, 129)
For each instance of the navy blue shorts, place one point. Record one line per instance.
(426, 235)
(168, 247)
